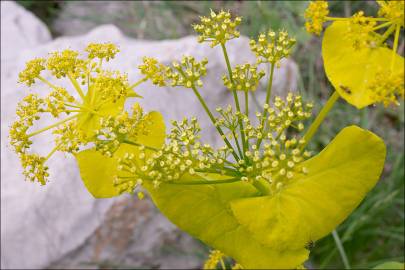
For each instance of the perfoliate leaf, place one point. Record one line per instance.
(272, 232)
(204, 212)
(98, 171)
(350, 70)
(314, 204)
(89, 122)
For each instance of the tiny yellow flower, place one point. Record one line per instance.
(360, 31)
(187, 73)
(34, 168)
(56, 101)
(315, 15)
(65, 63)
(387, 87)
(213, 259)
(272, 47)
(32, 71)
(244, 78)
(154, 71)
(392, 10)
(105, 51)
(218, 28)
(110, 85)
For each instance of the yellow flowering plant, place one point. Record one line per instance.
(262, 198)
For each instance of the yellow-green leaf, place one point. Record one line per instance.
(314, 204)
(204, 212)
(98, 171)
(391, 266)
(271, 232)
(349, 70)
(89, 122)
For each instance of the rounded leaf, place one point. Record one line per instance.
(349, 70)
(313, 205)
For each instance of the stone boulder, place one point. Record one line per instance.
(61, 225)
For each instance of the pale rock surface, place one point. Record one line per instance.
(60, 225)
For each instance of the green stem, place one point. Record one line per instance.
(138, 83)
(205, 182)
(268, 95)
(395, 46)
(52, 126)
(76, 86)
(222, 264)
(341, 249)
(52, 152)
(382, 25)
(386, 34)
(346, 19)
(83, 107)
(237, 144)
(235, 96)
(47, 82)
(207, 110)
(140, 145)
(319, 119)
(247, 103)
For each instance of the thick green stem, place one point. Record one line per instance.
(52, 126)
(268, 95)
(207, 110)
(235, 96)
(341, 249)
(319, 119)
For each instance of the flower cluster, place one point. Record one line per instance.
(154, 71)
(218, 28)
(105, 51)
(244, 78)
(272, 47)
(109, 85)
(187, 73)
(65, 63)
(121, 128)
(69, 138)
(213, 259)
(32, 71)
(392, 10)
(183, 156)
(388, 87)
(34, 168)
(99, 90)
(56, 101)
(360, 31)
(28, 111)
(316, 15)
(290, 112)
